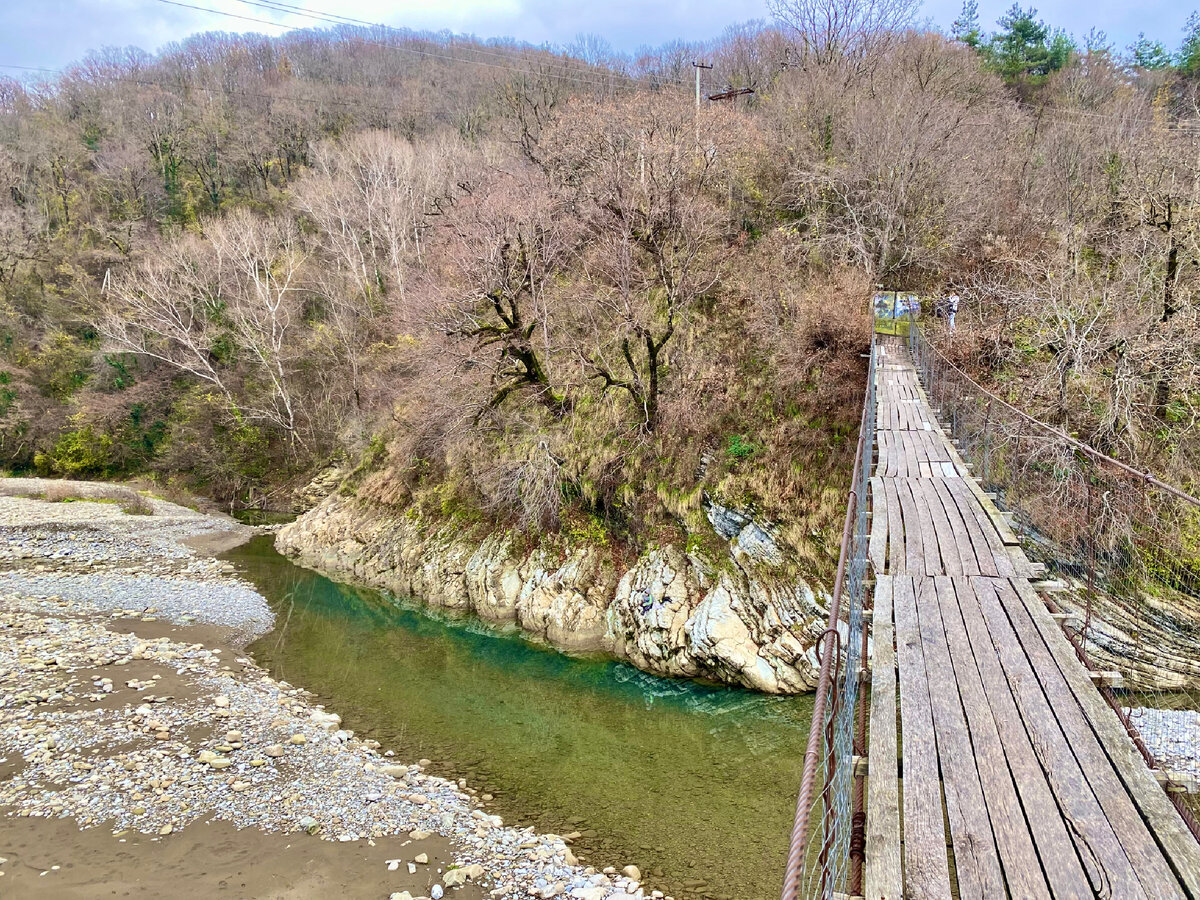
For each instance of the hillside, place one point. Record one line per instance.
(519, 291)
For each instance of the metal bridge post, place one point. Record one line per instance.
(1093, 524)
(987, 422)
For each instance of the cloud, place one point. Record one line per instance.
(57, 32)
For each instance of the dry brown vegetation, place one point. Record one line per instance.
(128, 499)
(550, 294)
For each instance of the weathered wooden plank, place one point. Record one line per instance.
(1180, 848)
(1139, 845)
(1018, 855)
(882, 874)
(896, 542)
(984, 561)
(968, 505)
(939, 449)
(1061, 864)
(896, 444)
(976, 860)
(990, 509)
(953, 562)
(1106, 862)
(1022, 567)
(877, 544)
(926, 867)
(972, 546)
(930, 552)
(914, 543)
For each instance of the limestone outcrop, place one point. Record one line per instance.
(741, 621)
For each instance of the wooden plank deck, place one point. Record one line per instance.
(1014, 778)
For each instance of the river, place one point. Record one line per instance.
(693, 783)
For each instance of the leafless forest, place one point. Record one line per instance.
(540, 288)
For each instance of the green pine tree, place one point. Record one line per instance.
(1188, 57)
(1026, 48)
(966, 27)
(1147, 54)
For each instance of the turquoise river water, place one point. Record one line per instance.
(693, 783)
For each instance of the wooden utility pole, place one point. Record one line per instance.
(698, 66)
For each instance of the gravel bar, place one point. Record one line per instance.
(150, 733)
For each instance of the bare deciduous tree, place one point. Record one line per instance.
(831, 30)
(508, 241)
(204, 306)
(650, 195)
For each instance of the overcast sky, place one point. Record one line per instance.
(56, 32)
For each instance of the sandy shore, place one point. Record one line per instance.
(142, 754)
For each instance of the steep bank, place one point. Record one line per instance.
(744, 619)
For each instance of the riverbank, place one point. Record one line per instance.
(139, 746)
(741, 616)
(692, 782)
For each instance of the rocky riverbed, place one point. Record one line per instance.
(139, 746)
(1172, 735)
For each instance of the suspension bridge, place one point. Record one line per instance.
(964, 742)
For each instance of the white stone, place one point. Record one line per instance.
(460, 876)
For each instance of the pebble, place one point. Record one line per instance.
(128, 763)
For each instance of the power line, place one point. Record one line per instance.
(582, 79)
(337, 19)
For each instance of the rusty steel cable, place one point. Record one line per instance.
(834, 723)
(1121, 551)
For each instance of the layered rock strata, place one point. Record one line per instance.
(740, 621)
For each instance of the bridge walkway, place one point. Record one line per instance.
(995, 768)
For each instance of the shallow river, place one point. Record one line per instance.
(693, 783)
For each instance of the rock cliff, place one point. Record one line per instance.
(742, 621)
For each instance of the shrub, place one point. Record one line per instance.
(739, 447)
(83, 451)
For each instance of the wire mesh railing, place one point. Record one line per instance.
(1122, 557)
(826, 854)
